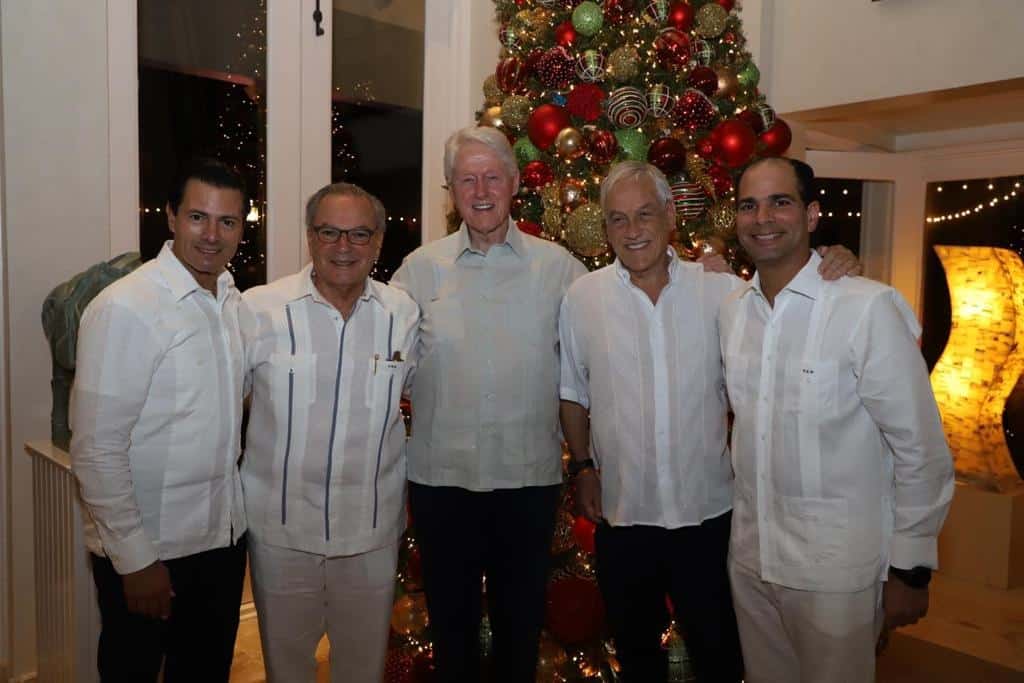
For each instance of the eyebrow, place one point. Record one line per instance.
(777, 195)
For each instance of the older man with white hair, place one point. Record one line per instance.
(485, 453)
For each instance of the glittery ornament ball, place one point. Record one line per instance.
(627, 107)
(525, 151)
(689, 198)
(711, 19)
(590, 66)
(584, 230)
(556, 68)
(723, 218)
(633, 144)
(749, 75)
(515, 110)
(552, 221)
(694, 110)
(587, 18)
(492, 93)
(624, 63)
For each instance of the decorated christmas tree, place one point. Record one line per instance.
(579, 86)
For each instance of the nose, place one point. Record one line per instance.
(764, 212)
(210, 231)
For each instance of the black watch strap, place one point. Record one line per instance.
(918, 577)
(577, 466)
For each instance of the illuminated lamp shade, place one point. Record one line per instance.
(982, 360)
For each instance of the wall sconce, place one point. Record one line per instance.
(982, 360)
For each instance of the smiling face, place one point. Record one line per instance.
(482, 189)
(207, 229)
(773, 224)
(639, 225)
(343, 267)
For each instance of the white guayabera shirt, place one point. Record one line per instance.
(156, 411)
(485, 396)
(842, 468)
(651, 376)
(324, 466)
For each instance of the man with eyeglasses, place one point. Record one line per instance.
(327, 353)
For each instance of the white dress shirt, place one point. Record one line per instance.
(155, 412)
(841, 464)
(485, 395)
(651, 376)
(324, 466)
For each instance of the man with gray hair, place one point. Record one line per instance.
(485, 454)
(327, 357)
(644, 413)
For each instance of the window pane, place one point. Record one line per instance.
(201, 86)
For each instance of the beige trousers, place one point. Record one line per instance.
(300, 596)
(795, 636)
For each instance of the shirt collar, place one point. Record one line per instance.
(807, 282)
(674, 268)
(513, 238)
(180, 281)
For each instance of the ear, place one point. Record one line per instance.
(813, 214)
(170, 217)
(515, 183)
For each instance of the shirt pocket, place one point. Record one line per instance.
(444, 323)
(810, 387)
(384, 380)
(293, 376)
(813, 532)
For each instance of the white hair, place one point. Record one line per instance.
(635, 170)
(482, 135)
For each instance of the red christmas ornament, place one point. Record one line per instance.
(705, 79)
(694, 110)
(673, 48)
(668, 155)
(556, 68)
(532, 59)
(565, 33)
(777, 139)
(727, 4)
(734, 143)
(705, 147)
(529, 227)
(601, 146)
(511, 75)
(575, 611)
(583, 531)
(617, 11)
(544, 124)
(752, 119)
(721, 179)
(680, 15)
(536, 174)
(584, 102)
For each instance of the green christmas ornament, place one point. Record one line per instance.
(726, 107)
(749, 76)
(587, 18)
(515, 111)
(633, 144)
(525, 151)
(624, 63)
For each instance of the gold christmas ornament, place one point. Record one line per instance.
(563, 540)
(584, 230)
(492, 117)
(569, 143)
(723, 218)
(728, 82)
(492, 93)
(552, 221)
(711, 20)
(572, 194)
(549, 193)
(624, 63)
(515, 111)
(409, 615)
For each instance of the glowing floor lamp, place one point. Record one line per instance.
(982, 360)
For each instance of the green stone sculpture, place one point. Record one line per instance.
(62, 311)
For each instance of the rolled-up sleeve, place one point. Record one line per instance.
(574, 383)
(116, 358)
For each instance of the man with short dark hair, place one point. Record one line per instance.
(324, 471)
(155, 412)
(843, 475)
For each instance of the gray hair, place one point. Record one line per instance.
(345, 190)
(482, 135)
(635, 170)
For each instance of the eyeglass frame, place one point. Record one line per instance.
(318, 230)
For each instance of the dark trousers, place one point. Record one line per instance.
(196, 643)
(637, 566)
(465, 535)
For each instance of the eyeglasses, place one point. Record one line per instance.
(356, 236)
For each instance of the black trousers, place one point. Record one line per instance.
(637, 566)
(504, 535)
(196, 643)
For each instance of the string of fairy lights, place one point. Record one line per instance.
(996, 197)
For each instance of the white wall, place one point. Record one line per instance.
(56, 217)
(821, 53)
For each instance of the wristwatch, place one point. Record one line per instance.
(918, 577)
(577, 466)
